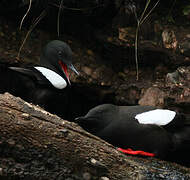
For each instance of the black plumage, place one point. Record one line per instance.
(118, 125)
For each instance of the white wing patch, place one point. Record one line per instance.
(55, 79)
(159, 117)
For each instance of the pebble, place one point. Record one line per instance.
(25, 116)
(86, 176)
(1, 171)
(104, 178)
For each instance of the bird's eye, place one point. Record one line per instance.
(60, 53)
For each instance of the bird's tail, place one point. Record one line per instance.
(180, 153)
(181, 136)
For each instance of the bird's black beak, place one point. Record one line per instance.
(77, 119)
(70, 66)
(65, 67)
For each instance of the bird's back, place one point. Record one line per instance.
(15, 83)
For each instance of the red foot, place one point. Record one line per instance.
(130, 151)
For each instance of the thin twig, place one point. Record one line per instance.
(142, 15)
(58, 17)
(136, 39)
(140, 22)
(37, 20)
(136, 51)
(29, 7)
(76, 9)
(150, 12)
(173, 4)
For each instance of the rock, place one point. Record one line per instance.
(185, 47)
(172, 78)
(103, 75)
(96, 163)
(87, 70)
(169, 39)
(176, 89)
(184, 72)
(128, 94)
(153, 97)
(104, 178)
(179, 77)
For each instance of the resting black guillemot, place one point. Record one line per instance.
(44, 83)
(157, 132)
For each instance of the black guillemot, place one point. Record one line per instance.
(141, 130)
(41, 84)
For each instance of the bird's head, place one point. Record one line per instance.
(57, 56)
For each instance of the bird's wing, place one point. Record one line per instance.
(32, 73)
